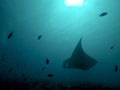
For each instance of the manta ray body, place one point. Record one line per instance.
(79, 59)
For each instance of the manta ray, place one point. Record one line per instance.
(79, 59)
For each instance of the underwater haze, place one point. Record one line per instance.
(47, 43)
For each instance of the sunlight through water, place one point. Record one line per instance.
(74, 2)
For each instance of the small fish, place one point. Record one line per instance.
(50, 75)
(36, 82)
(25, 79)
(23, 75)
(43, 69)
(111, 47)
(2, 59)
(39, 37)
(10, 35)
(47, 61)
(116, 68)
(10, 70)
(103, 14)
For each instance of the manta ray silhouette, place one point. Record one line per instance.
(79, 59)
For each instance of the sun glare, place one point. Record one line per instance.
(74, 2)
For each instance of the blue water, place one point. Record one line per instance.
(61, 28)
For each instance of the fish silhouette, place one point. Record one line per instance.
(10, 69)
(47, 61)
(103, 14)
(25, 79)
(116, 68)
(111, 47)
(50, 75)
(2, 59)
(39, 37)
(10, 35)
(43, 69)
(36, 82)
(23, 75)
